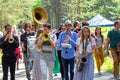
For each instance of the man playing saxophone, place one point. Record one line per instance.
(47, 43)
(67, 43)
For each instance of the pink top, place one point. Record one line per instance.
(92, 34)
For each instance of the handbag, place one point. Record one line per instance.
(17, 51)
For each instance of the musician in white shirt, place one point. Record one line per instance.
(85, 47)
(47, 46)
(36, 74)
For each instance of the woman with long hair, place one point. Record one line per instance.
(99, 51)
(36, 64)
(17, 51)
(85, 47)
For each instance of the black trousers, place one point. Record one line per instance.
(60, 61)
(8, 61)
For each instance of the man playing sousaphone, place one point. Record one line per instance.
(47, 43)
(114, 38)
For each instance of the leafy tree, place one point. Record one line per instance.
(19, 11)
(15, 11)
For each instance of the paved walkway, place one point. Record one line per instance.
(20, 74)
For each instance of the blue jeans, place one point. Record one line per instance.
(26, 62)
(66, 63)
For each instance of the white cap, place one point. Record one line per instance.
(68, 22)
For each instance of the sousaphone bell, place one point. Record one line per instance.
(40, 16)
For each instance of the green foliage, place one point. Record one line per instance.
(38, 3)
(15, 11)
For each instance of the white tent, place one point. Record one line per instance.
(98, 20)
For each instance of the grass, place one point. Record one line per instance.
(108, 64)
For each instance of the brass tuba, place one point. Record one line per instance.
(40, 16)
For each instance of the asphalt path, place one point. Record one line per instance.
(20, 74)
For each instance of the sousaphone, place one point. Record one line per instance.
(40, 16)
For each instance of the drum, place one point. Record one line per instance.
(30, 47)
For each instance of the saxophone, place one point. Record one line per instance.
(82, 60)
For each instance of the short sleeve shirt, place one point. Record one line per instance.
(99, 41)
(46, 47)
(24, 36)
(89, 46)
(114, 38)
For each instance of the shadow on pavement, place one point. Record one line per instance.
(20, 74)
(104, 76)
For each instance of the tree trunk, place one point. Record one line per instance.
(57, 12)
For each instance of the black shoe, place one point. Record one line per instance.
(55, 75)
(62, 78)
(17, 68)
(29, 78)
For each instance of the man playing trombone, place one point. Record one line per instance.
(47, 43)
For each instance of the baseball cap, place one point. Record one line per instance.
(68, 22)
